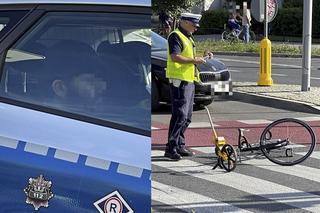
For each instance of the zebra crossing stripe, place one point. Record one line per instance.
(314, 118)
(257, 121)
(308, 172)
(190, 201)
(246, 183)
(201, 125)
(315, 154)
(204, 149)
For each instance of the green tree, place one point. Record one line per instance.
(173, 7)
(289, 20)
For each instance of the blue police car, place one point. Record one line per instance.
(75, 106)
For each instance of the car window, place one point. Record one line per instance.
(8, 19)
(158, 42)
(143, 35)
(78, 63)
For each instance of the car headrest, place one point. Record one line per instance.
(104, 47)
(67, 57)
(73, 47)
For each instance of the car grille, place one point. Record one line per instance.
(208, 77)
(223, 75)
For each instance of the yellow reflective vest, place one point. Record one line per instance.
(184, 72)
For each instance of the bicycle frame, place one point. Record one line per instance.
(233, 35)
(243, 140)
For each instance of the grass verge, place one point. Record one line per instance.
(220, 46)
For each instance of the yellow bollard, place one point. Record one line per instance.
(265, 63)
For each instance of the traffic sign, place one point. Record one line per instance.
(257, 9)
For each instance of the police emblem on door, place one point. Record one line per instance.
(38, 192)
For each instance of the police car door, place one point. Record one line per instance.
(75, 121)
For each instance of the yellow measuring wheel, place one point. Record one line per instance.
(227, 156)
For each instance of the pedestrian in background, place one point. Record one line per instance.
(233, 24)
(246, 23)
(182, 74)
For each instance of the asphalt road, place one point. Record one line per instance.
(228, 109)
(256, 185)
(284, 70)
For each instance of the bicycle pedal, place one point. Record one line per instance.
(289, 152)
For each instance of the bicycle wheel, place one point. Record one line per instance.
(228, 158)
(287, 141)
(225, 36)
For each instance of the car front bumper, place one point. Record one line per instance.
(203, 94)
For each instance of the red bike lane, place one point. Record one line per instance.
(197, 137)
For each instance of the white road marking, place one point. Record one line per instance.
(189, 201)
(205, 149)
(234, 70)
(200, 125)
(256, 121)
(157, 153)
(258, 62)
(252, 185)
(277, 74)
(315, 155)
(314, 118)
(308, 172)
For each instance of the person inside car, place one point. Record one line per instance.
(79, 82)
(86, 86)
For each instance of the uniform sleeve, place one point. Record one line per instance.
(175, 44)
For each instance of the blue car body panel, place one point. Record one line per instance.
(75, 136)
(84, 162)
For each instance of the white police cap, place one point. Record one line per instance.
(195, 18)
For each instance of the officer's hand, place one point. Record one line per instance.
(199, 60)
(208, 54)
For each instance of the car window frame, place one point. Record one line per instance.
(19, 9)
(35, 15)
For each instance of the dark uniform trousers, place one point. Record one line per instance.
(182, 106)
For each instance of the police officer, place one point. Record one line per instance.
(182, 74)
